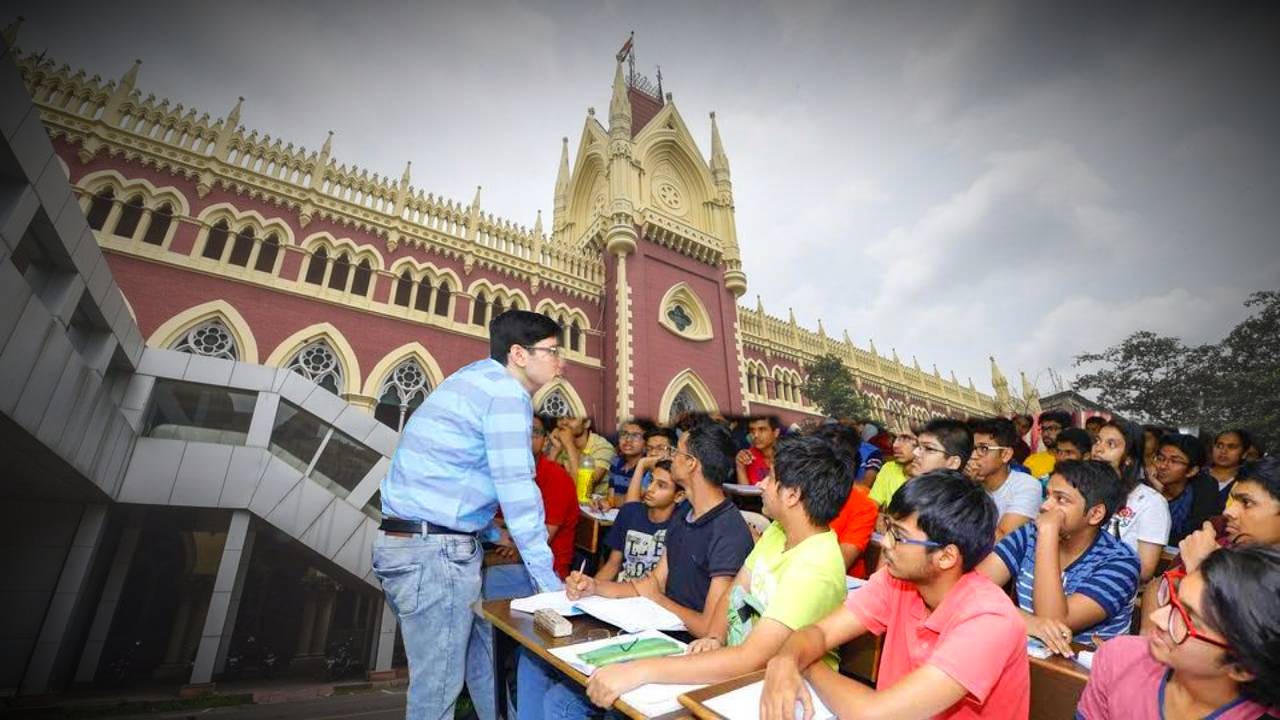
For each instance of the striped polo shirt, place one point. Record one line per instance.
(1107, 573)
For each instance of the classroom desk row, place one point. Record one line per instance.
(1056, 683)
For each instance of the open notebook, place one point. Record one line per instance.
(633, 614)
(744, 703)
(652, 699)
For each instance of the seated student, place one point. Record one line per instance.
(1040, 464)
(857, 519)
(638, 535)
(1229, 449)
(1175, 474)
(792, 579)
(894, 473)
(942, 444)
(572, 440)
(659, 443)
(630, 450)
(1142, 521)
(754, 463)
(954, 646)
(706, 544)
(1074, 579)
(560, 512)
(1016, 493)
(1072, 443)
(1214, 651)
(1251, 518)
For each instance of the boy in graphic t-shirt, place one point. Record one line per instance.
(638, 536)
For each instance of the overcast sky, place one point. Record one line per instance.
(951, 179)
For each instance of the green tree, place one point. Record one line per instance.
(1235, 382)
(831, 387)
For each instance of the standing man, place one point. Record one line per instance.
(1052, 422)
(464, 453)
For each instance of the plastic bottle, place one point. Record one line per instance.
(585, 478)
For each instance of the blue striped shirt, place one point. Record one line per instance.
(1106, 573)
(467, 450)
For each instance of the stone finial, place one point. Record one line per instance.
(233, 117)
(130, 77)
(537, 227)
(619, 106)
(10, 32)
(562, 182)
(847, 340)
(327, 148)
(475, 202)
(759, 306)
(404, 176)
(719, 161)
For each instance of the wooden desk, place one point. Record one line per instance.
(693, 701)
(589, 535)
(510, 628)
(1056, 685)
(860, 658)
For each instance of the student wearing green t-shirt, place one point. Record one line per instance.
(893, 474)
(793, 577)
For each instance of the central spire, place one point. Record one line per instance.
(619, 106)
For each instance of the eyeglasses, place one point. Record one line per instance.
(982, 450)
(556, 351)
(539, 432)
(631, 436)
(926, 449)
(1170, 460)
(1180, 626)
(677, 451)
(892, 536)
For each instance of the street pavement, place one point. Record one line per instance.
(386, 704)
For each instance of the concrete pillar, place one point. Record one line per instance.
(68, 596)
(93, 645)
(233, 611)
(386, 639)
(324, 618)
(307, 625)
(178, 633)
(235, 557)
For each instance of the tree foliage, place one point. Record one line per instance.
(1235, 382)
(831, 387)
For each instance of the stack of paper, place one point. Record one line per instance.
(610, 515)
(554, 600)
(744, 703)
(650, 700)
(633, 614)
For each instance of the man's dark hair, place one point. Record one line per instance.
(954, 436)
(1265, 472)
(1096, 481)
(1241, 600)
(952, 510)
(645, 424)
(1000, 430)
(518, 327)
(1134, 443)
(821, 472)
(843, 438)
(774, 422)
(662, 465)
(1189, 445)
(1061, 417)
(1246, 437)
(1076, 437)
(712, 444)
(658, 431)
(1095, 420)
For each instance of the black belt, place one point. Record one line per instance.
(418, 527)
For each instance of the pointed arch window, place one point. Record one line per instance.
(161, 218)
(555, 404)
(318, 363)
(267, 253)
(360, 278)
(338, 276)
(211, 339)
(315, 270)
(401, 393)
(100, 208)
(242, 248)
(751, 382)
(498, 307)
(423, 300)
(130, 215)
(575, 336)
(442, 299)
(480, 310)
(685, 401)
(217, 240)
(404, 288)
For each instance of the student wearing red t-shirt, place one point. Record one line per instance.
(954, 644)
(755, 462)
(857, 519)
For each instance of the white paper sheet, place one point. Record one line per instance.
(610, 515)
(555, 600)
(633, 614)
(744, 703)
(652, 699)
(736, 489)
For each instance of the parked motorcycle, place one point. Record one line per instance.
(339, 661)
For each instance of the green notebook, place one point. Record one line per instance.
(631, 650)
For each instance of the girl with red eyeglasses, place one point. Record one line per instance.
(1214, 651)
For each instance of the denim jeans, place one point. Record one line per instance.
(499, 583)
(544, 692)
(432, 583)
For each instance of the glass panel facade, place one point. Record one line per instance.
(296, 435)
(200, 413)
(343, 463)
